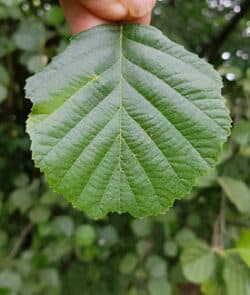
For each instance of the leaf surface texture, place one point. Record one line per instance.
(125, 120)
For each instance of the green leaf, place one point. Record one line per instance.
(3, 93)
(243, 246)
(185, 236)
(143, 247)
(6, 47)
(30, 36)
(36, 62)
(108, 236)
(240, 132)
(21, 199)
(21, 180)
(50, 278)
(170, 248)
(159, 287)
(125, 120)
(141, 227)
(211, 288)
(39, 214)
(237, 192)
(236, 276)
(198, 262)
(85, 235)
(63, 225)
(156, 266)
(4, 76)
(208, 179)
(54, 16)
(10, 280)
(128, 263)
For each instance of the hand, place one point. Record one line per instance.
(84, 14)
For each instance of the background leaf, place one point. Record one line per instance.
(237, 192)
(198, 262)
(237, 277)
(243, 246)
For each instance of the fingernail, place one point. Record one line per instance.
(138, 8)
(120, 10)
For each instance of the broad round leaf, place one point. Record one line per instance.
(128, 263)
(243, 246)
(236, 276)
(156, 266)
(237, 191)
(198, 262)
(159, 287)
(125, 120)
(85, 235)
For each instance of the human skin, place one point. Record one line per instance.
(85, 14)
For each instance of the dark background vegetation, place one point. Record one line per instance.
(47, 247)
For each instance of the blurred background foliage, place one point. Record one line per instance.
(201, 246)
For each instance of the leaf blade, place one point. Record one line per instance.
(109, 141)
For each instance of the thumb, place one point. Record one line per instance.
(138, 8)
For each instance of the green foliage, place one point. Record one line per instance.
(198, 262)
(237, 191)
(42, 257)
(85, 236)
(237, 277)
(128, 263)
(243, 246)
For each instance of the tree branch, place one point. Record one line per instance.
(219, 227)
(211, 50)
(24, 233)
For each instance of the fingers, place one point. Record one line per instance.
(78, 17)
(84, 14)
(112, 10)
(143, 20)
(118, 10)
(138, 8)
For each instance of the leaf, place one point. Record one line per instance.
(240, 132)
(39, 214)
(21, 199)
(143, 247)
(10, 280)
(198, 262)
(63, 225)
(156, 266)
(185, 236)
(159, 287)
(208, 179)
(7, 46)
(125, 120)
(243, 246)
(211, 288)
(4, 76)
(128, 263)
(141, 227)
(30, 36)
(108, 236)
(36, 62)
(85, 235)
(237, 277)
(3, 93)
(237, 192)
(54, 16)
(170, 248)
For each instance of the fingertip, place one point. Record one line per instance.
(139, 8)
(78, 17)
(143, 20)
